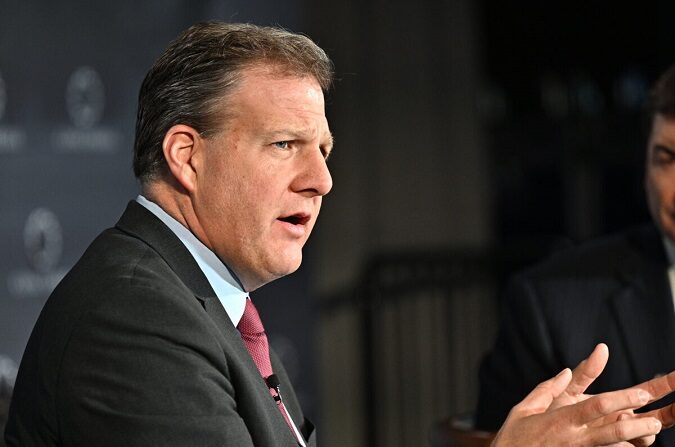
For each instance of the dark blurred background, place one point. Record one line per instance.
(472, 138)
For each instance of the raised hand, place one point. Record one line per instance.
(557, 412)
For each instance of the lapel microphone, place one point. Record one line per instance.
(274, 383)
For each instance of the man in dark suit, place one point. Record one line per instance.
(139, 344)
(617, 290)
(151, 339)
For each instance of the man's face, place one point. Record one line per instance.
(660, 174)
(262, 178)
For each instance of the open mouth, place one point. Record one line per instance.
(296, 219)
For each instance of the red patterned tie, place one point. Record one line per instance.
(255, 339)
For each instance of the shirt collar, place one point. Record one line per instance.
(227, 288)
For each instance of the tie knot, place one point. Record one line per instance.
(250, 323)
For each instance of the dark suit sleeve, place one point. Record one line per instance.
(521, 358)
(143, 369)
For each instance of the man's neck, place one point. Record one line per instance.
(176, 202)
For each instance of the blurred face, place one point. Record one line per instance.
(660, 174)
(262, 178)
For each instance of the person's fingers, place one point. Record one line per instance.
(604, 404)
(665, 414)
(629, 443)
(644, 441)
(626, 429)
(541, 397)
(659, 386)
(620, 444)
(588, 370)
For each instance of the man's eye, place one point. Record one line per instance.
(281, 144)
(663, 155)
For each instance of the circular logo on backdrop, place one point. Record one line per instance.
(85, 97)
(43, 239)
(3, 97)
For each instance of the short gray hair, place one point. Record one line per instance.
(200, 67)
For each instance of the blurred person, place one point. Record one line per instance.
(618, 289)
(151, 338)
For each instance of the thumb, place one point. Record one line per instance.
(541, 397)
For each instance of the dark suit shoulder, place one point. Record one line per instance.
(572, 297)
(605, 256)
(122, 343)
(134, 348)
(113, 263)
(555, 312)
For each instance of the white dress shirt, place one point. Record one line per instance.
(227, 288)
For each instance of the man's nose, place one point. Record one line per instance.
(315, 178)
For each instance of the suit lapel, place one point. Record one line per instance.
(217, 313)
(237, 349)
(219, 316)
(141, 223)
(645, 314)
(644, 309)
(137, 221)
(642, 319)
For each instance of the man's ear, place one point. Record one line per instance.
(181, 147)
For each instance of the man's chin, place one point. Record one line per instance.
(291, 266)
(284, 266)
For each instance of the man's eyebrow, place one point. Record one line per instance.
(299, 134)
(328, 144)
(327, 147)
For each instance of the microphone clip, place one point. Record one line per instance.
(273, 383)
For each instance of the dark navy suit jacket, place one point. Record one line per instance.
(613, 290)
